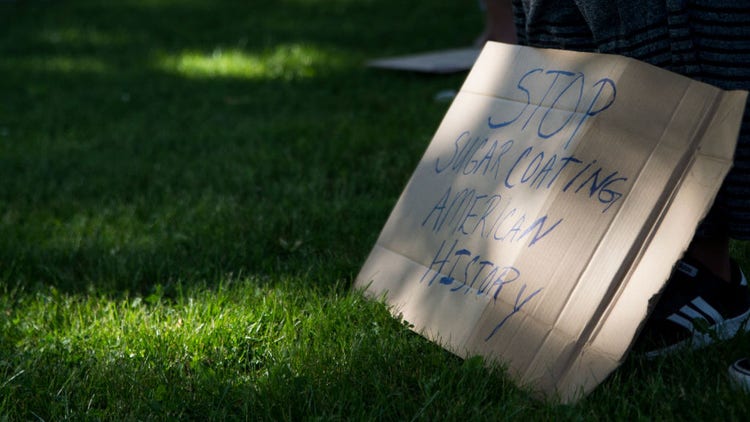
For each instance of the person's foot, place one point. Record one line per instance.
(696, 309)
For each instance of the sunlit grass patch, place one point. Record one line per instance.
(285, 62)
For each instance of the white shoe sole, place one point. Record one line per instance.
(721, 331)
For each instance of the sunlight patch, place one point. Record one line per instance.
(287, 61)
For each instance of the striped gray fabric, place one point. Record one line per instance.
(708, 40)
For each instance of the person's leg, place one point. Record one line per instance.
(713, 253)
(499, 25)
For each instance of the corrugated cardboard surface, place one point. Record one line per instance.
(550, 206)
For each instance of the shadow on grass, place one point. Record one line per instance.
(153, 142)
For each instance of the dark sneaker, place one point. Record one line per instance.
(696, 309)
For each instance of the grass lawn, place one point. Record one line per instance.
(187, 191)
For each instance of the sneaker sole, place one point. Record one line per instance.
(721, 331)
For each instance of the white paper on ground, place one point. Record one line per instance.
(441, 61)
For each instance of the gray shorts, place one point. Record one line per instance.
(707, 40)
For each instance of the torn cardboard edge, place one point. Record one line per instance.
(437, 62)
(563, 325)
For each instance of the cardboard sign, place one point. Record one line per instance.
(443, 61)
(550, 206)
